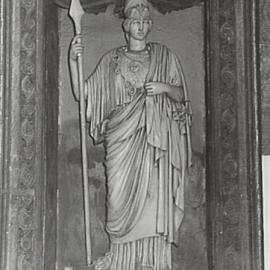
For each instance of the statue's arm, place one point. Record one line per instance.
(175, 92)
(156, 88)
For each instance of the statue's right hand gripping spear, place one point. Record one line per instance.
(76, 12)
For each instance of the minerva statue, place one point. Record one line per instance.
(137, 106)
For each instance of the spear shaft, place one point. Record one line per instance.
(76, 12)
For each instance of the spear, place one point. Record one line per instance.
(76, 12)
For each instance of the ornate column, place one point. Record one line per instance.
(23, 135)
(234, 187)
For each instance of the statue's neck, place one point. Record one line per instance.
(136, 45)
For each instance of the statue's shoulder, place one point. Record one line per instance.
(113, 52)
(158, 47)
(111, 55)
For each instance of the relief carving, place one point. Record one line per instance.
(26, 233)
(229, 196)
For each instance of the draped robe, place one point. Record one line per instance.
(147, 145)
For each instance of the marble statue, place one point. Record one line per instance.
(137, 106)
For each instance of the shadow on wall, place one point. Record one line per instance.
(97, 194)
(70, 242)
(191, 252)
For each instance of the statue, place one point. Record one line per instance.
(137, 106)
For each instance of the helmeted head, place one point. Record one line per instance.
(138, 22)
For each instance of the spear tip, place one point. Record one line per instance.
(76, 12)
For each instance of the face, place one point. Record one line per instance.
(139, 29)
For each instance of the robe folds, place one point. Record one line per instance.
(147, 146)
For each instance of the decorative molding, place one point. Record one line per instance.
(265, 72)
(230, 209)
(232, 143)
(23, 163)
(26, 204)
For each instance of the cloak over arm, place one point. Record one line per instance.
(100, 97)
(165, 67)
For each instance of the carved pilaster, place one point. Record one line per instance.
(230, 206)
(26, 230)
(233, 159)
(23, 159)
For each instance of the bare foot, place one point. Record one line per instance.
(103, 263)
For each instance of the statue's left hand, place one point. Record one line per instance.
(156, 88)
